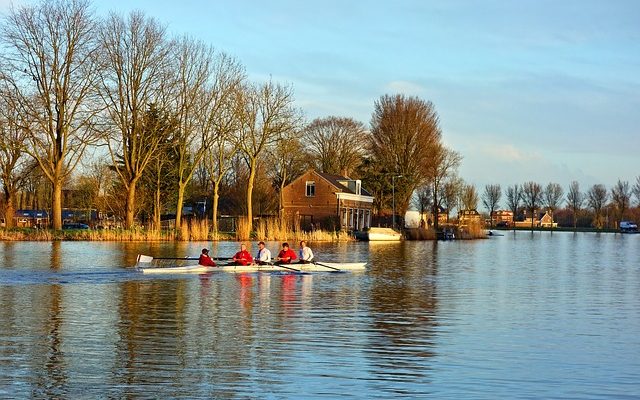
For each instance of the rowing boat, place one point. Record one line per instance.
(145, 266)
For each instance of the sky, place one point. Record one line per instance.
(528, 90)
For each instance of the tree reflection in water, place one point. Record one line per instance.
(403, 309)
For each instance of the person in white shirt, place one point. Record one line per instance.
(305, 254)
(264, 255)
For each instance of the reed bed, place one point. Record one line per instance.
(191, 230)
(279, 230)
(473, 230)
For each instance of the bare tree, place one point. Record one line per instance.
(597, 198)
(636, 190)
(621, 197)
(287, 164)
(14, 166)
(49, 49)
(532, 195)
(134, 83)
(514, 197)
(553, 197)
(444, 165)
(221, 151)
(575, 199)
(491, 198)
(204, 84)
(469, 197)
(267, 113)
(450, 197)
(423, 199)
(405, 137)
(336, 144)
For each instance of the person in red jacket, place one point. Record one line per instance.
(205, 260)
(286, 255)
(242, 257)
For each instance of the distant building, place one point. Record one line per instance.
(502, 218)
(542, 220)
(468, 217)
(316, 199)
(31, 219)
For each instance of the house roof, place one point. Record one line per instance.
(335, 181)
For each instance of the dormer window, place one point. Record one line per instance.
(358, 187)
(311, 189)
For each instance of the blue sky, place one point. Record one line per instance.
(526, 90)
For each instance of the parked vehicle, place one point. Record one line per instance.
(75, 225)
(628, 227)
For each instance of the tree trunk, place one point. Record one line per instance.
(179, 205)
(10, 209)
(56, 205)
(252, 176)
(216, 197)
(435, 208)
(130, 207)
(156, 209)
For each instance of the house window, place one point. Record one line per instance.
(311, 188)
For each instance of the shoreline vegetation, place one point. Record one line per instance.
(268, 230)
(194, 230)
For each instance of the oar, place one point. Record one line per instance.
(285, 267)
(328, 266)
(192, 258)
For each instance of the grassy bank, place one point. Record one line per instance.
(196, 230)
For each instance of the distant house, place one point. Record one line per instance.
(467, 217)
(502, 217)
(316, 199)
(542, 220)
(31, 219)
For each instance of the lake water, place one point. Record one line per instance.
(516, 316)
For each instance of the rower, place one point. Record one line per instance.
(242, 257)
(264, 255)
(205, 260)
(286, 255)
(305, 254)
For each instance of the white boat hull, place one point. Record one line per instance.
(201, 269)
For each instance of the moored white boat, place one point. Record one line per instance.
(379, 234)
(145, 265)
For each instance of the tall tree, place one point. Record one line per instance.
(267, 113)
(621, 197)
(444, 166)
(204, 83)
(405, 136)
(636, 190)
(287, 165)
(222, 151)
(14, 165)
(469, 197)
(337, 145)
(597, 198)
(575, 199)
(491, 198)
(423, 199)
(553, 194)
(514, 197)
(450, 194)
(532, 195)
(48, 49)
(133, 83)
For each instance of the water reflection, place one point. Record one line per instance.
(403, 310)
(425, 317)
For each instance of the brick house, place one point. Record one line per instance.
(502, 217)
(316, 199)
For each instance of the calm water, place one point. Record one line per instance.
(519, 316)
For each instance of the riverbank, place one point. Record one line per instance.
(148, 235)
